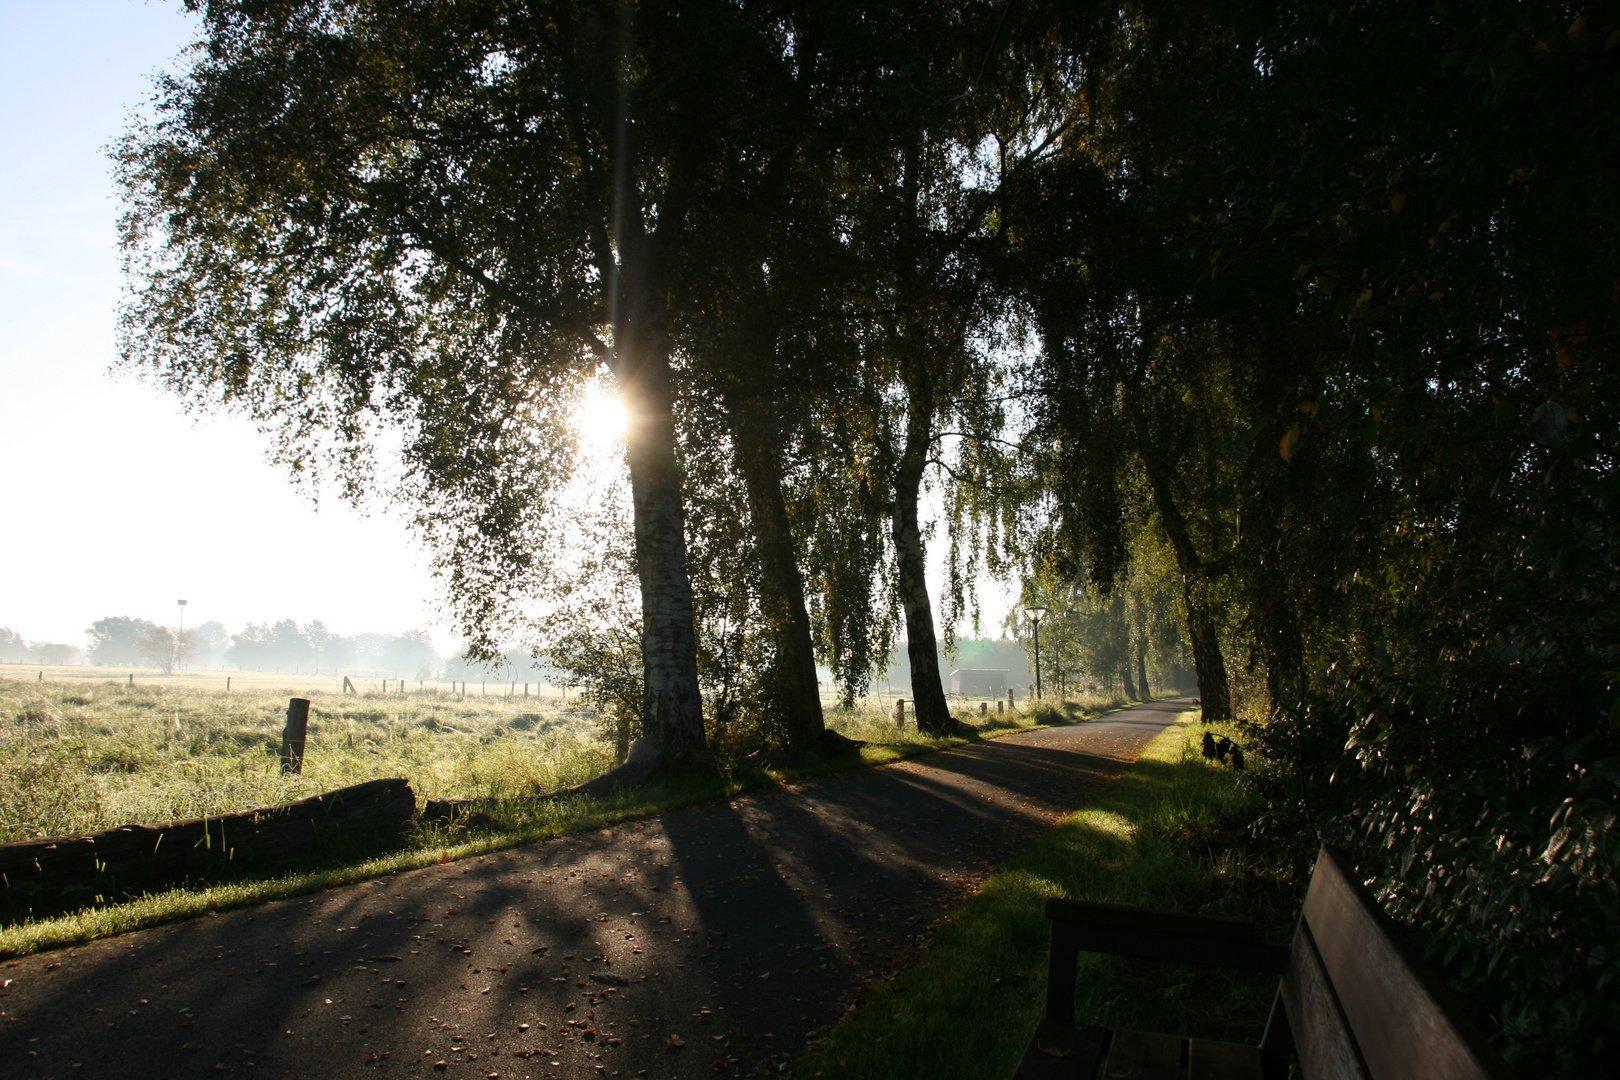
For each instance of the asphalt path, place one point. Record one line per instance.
(711, 941)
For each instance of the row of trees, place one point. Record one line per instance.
(119, 641)
(1305, 313)
(15, 649)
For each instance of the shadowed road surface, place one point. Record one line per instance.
(708, 942)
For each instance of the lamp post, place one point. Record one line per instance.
(181, 636)
(1036, 613)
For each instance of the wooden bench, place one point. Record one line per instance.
(1355, 1000)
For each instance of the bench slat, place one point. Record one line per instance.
(1062, 1052)
(1327, 1050)
(1150, 920)
(1148, 945)
(1208, 1060)
(1143, 1055)
(1408, 1026)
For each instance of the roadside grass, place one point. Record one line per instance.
(1165, 835)
(504, 759)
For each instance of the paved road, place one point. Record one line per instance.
(736, 929)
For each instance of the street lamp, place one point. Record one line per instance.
(181, 636)
(1036, 613)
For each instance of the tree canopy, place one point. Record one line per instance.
(1276, 339)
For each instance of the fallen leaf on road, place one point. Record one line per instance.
(192, 1045)
(607, 978)
(676, 1041)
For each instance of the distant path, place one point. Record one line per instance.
(739, 927)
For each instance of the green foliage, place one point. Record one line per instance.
(1331, 291)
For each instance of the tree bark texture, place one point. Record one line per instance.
(922, 649)
(759, 456)
(672, 707)
(1141, 670)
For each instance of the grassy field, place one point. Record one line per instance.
(79, 756)
(1166, 835)
(75, 757)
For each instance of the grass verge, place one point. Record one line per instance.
(516, 821)
(1165, 835)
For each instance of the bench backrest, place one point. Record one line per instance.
(1361, 1002)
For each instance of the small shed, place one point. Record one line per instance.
(979, 682)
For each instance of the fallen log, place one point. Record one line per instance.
(60, 873)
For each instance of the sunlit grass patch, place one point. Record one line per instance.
(966, 1004)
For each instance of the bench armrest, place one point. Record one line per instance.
(1149, 920)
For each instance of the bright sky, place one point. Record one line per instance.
(117, 503)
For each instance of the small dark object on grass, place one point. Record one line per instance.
(1209, 746)
(1222, 748)
(1237, 756)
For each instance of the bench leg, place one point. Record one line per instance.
(1277, 1045)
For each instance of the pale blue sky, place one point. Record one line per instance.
(116, 503)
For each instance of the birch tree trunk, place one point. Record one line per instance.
(672, 706)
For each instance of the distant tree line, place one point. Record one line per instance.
(14, 649)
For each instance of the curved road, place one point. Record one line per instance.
(735, 929)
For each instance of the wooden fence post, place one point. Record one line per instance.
(132, 682)
(899, 712)
(292, 738)
(227, 684)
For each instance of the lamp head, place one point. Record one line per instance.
(1036, 612)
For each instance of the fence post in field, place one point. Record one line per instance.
(227, 684)
(132, 682)
(348, 687)
(899, 712)
(292, 738)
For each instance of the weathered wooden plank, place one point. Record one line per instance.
(1208, 1060)
(1409, 1027)
(1327, 1050)
(1244, 955)
(1062, 1052)
(1143, 1055)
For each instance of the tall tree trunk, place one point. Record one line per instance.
(1141, 669)
(759, 457)
(922, 646)
(672, 706)
(1214, 693)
